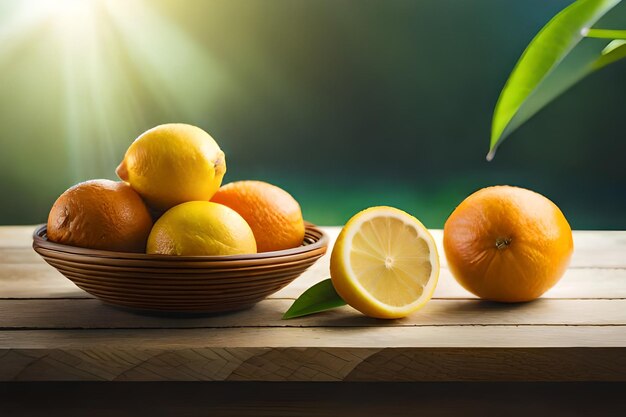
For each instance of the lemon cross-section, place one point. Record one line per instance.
(385, 263)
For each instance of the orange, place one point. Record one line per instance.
(507, 244)
(272, 213)
(100, 214)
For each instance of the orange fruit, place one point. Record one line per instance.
(100, 214)
(272, 213)
(507, 244)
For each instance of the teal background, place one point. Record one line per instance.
(344, 103)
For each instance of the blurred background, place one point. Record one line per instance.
(344, 103)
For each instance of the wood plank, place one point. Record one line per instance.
(362, 337)
(16, 236)
(19, 256)
(592, 249)
(314, 364)
(23, 274)
(92, 314)
(39, 280)
(576, 283)
(602, 249)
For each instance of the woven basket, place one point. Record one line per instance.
(190, 284)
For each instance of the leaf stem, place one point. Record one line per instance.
(604, 33)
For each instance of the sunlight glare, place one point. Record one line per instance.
(62, 12)
(111, 59)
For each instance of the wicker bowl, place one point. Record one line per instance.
(190, 284)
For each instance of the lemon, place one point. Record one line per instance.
(385, 263)
(201, 228)
(172, 164)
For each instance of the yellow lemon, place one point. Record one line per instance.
(201, 228)
(172, 164)
(385, 263)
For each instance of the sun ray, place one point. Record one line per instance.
(172, 81)
(113, 57)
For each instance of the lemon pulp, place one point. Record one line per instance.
(385, 263)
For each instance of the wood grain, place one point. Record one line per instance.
(92, 314)
(314, 364)
(576, 283)
(592, 249)
(321, 337)
(36, 279)
(52, 331)
(16, 236)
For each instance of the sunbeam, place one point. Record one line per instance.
(110, 56)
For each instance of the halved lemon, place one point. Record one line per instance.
(385, 263)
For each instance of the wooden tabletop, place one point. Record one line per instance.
(52, 331)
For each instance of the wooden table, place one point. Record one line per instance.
(51, 331)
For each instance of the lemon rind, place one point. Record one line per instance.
(354, 226)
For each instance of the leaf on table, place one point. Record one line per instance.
(547, 67)
(320, 297)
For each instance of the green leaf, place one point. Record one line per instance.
(613, 52)
(543, 72)
(320, 297)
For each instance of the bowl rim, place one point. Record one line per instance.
(40, 240)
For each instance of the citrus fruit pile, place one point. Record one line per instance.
(170, 202)
(502, 243)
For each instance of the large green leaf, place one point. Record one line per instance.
(548, 67)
